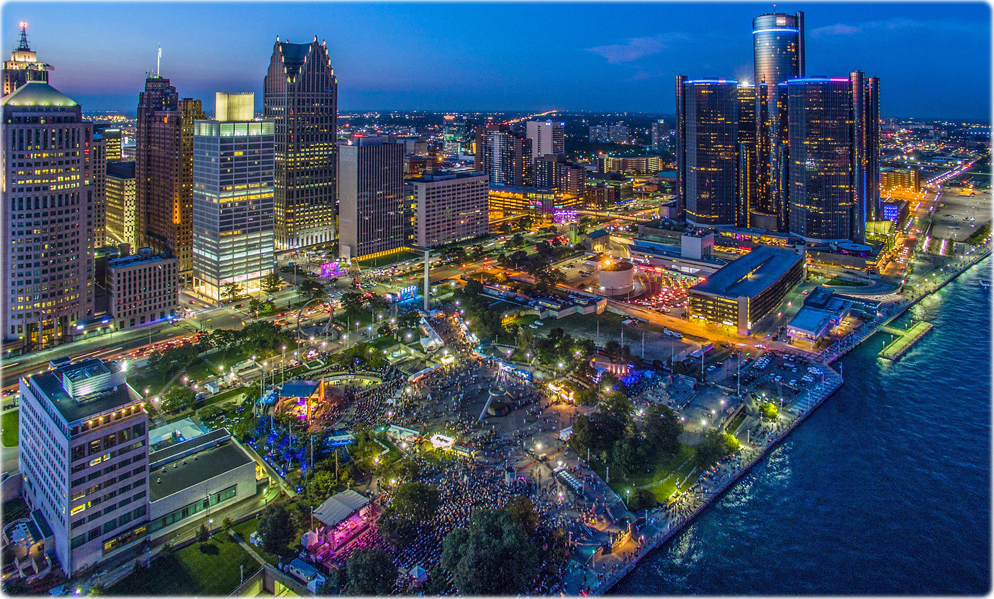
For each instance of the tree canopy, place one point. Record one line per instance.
(276, 527)
(370, 572)
(492, 556)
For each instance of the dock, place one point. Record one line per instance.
(906, 339)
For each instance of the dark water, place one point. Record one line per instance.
(886, 489)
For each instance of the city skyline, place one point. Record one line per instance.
(424, 57)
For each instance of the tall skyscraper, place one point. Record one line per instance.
(301, 98)
(164, 170)
(23, 65)
(233, 189)
(833, 132)
(121, 204)
(707, 150)
(547, 137)
(98, 172)
(660, 136)
(778, 55)
(747, 151)
(47, 267)
(371, 198)
(84, 459)
(504, 156)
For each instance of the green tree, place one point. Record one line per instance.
(769, 410)
(492, 556)
(395, 528)
(352, 303)
(311, 289)
(232, 290)
(662, 428)
(276, 528)
(641, 499)
(227, 524)
(371, 572)
(522, 510)
(203, 534)
(715, 446)
(178, 398)
(272, 283)
(627, 456)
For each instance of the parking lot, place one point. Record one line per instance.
(958, 216)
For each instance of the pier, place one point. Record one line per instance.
(906, 339)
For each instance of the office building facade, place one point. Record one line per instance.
(450, 207)
(547, 137)
(778, 55)
(371, 198)
(142, 288)
(164, 171)
(453, 135)
(84, 459)
(47, 273)
(23, 65)
(833, 132)
(301, 98)
(233, 199)
(120, 204)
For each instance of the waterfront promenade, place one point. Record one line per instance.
(601, 573)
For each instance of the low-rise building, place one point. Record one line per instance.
(142, 288)
(740, 294)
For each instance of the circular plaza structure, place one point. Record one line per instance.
(617, 277)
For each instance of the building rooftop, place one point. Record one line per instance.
(37, 93)
(819, 297)
(81, 408)
(750, 274)
(187, 447)
(200, 467)
(138, 259)
(299, 389)
(444, 176)
(811, 321)
(616, 265)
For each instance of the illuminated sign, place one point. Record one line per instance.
(409, 292)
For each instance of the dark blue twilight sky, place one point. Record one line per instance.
(933, 59)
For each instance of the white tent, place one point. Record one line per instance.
(418, 573)
(338, 507)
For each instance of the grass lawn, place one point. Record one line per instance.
(9, 424)
(660, 479)
(736, 422)
(245, 529)
(212, 570)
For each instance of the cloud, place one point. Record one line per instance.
(897, 24)
(637, 47)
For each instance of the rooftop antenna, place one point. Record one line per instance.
(158, 61)
(24, 37)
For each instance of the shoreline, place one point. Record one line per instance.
(672, 528)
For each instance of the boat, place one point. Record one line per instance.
(985, 283)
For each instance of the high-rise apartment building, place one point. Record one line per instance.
(747, 152)
(450, 207)
(164, 171)
(555, 171)
(778, 55)
(547, 137)
(707, 150)
(121, 204)
(301, 98)
(98, 172)
(504, 156)
(660, 136)
(23, 65)
(233, 197)
(84, 459)
(833, 163)
(47, 267)
(371, 198)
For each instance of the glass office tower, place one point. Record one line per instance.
(778, 55)
(233, 189)
(833, 163)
